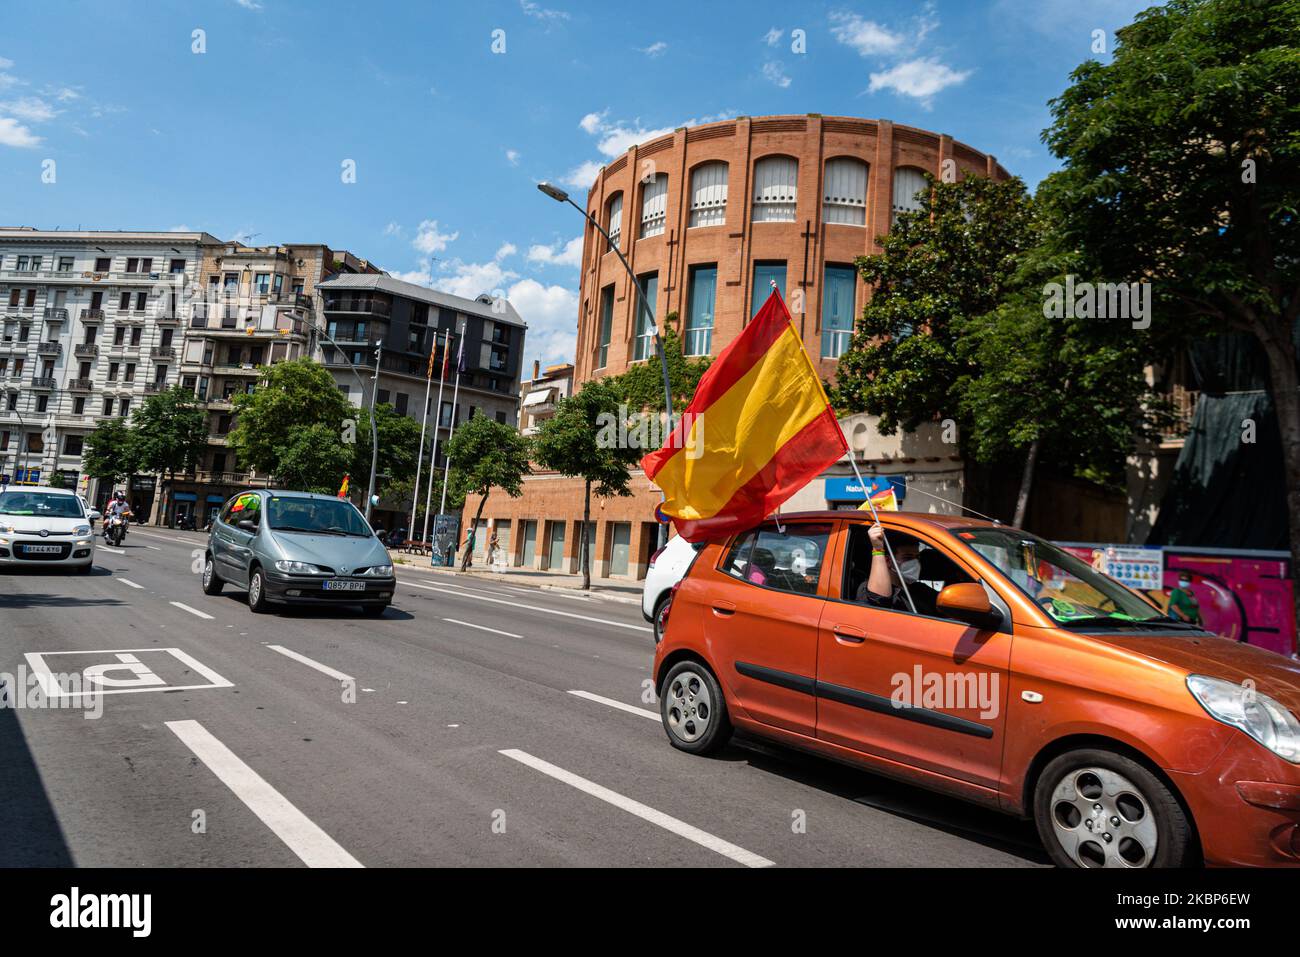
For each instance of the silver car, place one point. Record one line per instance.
(297, 548)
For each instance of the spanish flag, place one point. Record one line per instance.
(883, 501)
(758, 429)
(343, 489)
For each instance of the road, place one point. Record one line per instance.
(478, 723)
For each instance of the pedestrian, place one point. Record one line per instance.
(468, 560)
(493, 545)
(1182, 601)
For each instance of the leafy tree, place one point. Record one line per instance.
(109, 452)
(487, 454)
(399, 444)
(57, 480)
(169, 432)
(575, 442)
(1182, 168)
(294, 398)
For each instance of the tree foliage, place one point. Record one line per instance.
(641, 387)
(109, 451)
(169, 432)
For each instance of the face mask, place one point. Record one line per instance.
(910, 570)
(1184, 584)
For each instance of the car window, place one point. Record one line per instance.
(327, 516)
(247, 506)
(787, 558)
(40, 505)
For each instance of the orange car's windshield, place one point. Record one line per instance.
(1067, 588)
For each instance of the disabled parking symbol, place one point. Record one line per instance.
(136, 675)
(121, 671)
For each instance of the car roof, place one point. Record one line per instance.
(917, 520)
(289, 493)
(44, 489)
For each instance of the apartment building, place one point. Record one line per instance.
(92, 323)
(542, 393)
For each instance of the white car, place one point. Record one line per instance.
(667, 567)
(45, 526)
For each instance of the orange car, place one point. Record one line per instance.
(1023, 680)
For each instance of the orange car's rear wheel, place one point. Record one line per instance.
(1097, 808)
(693, 710)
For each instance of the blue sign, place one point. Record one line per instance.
(850, 489)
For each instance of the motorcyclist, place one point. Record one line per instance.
(117, 506)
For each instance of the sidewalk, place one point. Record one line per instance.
(605, 588)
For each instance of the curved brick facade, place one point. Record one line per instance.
(805, 245)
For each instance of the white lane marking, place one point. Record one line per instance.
(323, 669)
(154, 547)
(300, 834)
(548, 611)
(559, 594)
(127, 581)
(192, 611)
(646, 813)
(144, 680)
(630, 709)
(495, 631)
(115, 551)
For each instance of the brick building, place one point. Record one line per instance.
(708, 217)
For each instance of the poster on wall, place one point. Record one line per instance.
(1138, 566)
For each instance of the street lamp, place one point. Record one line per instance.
(374, 430)
(560, 196)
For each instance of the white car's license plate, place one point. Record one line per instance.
(41, 549)
(343, 586)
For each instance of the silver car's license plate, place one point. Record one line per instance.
(40, 549)
(343, 586)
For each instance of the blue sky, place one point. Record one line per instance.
(248, 139)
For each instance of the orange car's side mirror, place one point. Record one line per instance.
(968, 602)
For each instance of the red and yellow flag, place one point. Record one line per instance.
(758, 429)
(343, 489)
(884, 501)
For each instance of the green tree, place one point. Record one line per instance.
(577, 441)
(399, 444)
(487, 454)
(109, 452)
(1181, 168)
(285, 427)
(57, 480)
(641, 387)
(170, 432)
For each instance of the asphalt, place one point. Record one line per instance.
(457, 742)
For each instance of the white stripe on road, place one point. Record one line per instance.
(115, 551)
(192, 611)
(515, 604)
(323, 669)
(313, 846)
(630, 709)
(127, 581)
(494, 631)
(659, 818)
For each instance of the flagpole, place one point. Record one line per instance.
(876, 515)
(437, 424)
(424, 423)
(455, 397)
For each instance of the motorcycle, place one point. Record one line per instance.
(115, 529)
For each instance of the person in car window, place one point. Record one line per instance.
(883, 587)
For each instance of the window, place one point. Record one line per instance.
(765, 273)
(606, 324)
(176, 265)
(79, 406)
(708, 195)
(838, 310)
(789, 559)
(108, 405)
(383, 396)
(24, 264)
(146, 265)
(141, 301)
(776, 189)
(654, 206)
(132, 263)
(908, 183)
(42, 403)
(845, 192)
(263, 283)
(103, 264)
(136, 333)
(65, 264)
(124, 301)
(403, 400)
(73, 444)
(129, 374)
(700, 305)
(644, 345)
(112, 371)
(124, 409)
(614, 220)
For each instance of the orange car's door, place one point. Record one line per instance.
(761, 615)
(924, 691)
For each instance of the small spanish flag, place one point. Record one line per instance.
(885, 501)
(758, 429)
(343, 489)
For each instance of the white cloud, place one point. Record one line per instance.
(921, 79)
(504, 250)
(13, 133)
(773, 36)
(393, 229)
(512, 157)
(592, 122)
(655, 49)
(5, 63)
(30, 108)
(249, 4)
(470, 280)
(566, 254)
(774, 73)
(582, 175)
(867, 37)
(552, 316)
(538, 12)
(429, 240)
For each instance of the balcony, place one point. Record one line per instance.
(221, 478)
(43, 384)
(79, 385)
(228, 369)
(47, 348)
(162, 352)
(153, 388)
(56, 314)
(365, 305)
(86, 350)
(217, 440)
(92, 315)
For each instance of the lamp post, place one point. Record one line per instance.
(560, 196)
(374, 430)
